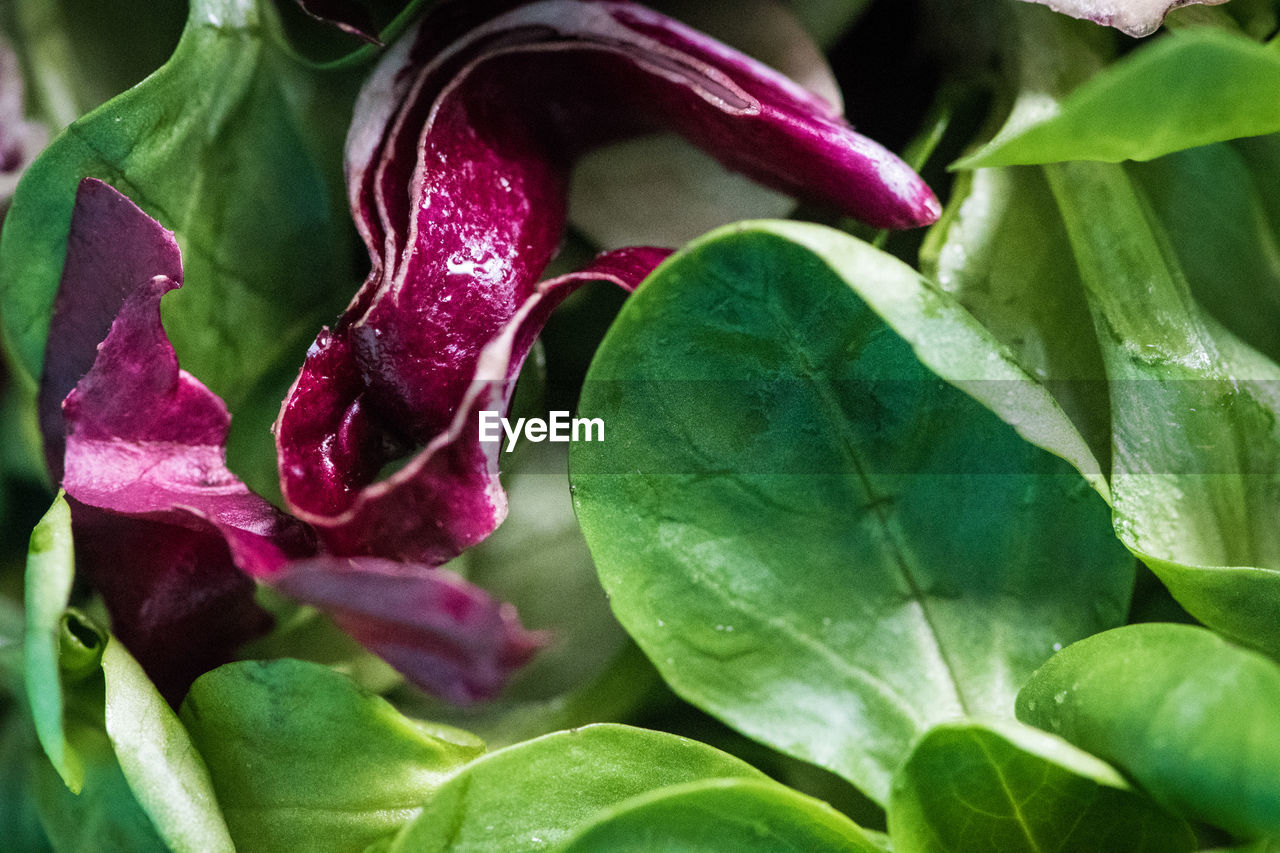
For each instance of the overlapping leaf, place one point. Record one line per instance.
(457, 177)
(969, 786)
(797, 528)
(1184, 713)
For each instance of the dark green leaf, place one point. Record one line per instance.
(302, 759)
(1188, 716)
(18, 813)
(792, 514)
(1190, 88)
(1212, 203)
(533, 795)
(970, 786)
(721, 814)
(104, 817)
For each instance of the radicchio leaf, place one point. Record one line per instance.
(441, 632)
(1138, 18)
(457, 172)
(171, 537)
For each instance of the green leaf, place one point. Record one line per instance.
(18, 812)
(79, 54)
(1212, 202)
(1190, 88)
(104, 817)
(1195, 414)
(721, 814)
(1188, 716)
(533, 795)
(972, 786)
(236, 150)
(1002, 251)
(166, 774)
(85, 688)
(50, 572)
(302, 759)
(796, 526)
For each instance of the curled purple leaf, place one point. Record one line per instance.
(447, 497)
(441, 632)
(457, 173)
(171, 537)
(1137, 18)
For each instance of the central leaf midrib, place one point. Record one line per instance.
(834, 414)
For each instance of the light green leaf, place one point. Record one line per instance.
(79, 677)
(721, 814)
(1185, 714)
(302, 759)
(1195, 414)
(166, 774)
(50, 572)
(533, 795)
(792, 514)
(237, 151)
(1190, 88)
(972, 786)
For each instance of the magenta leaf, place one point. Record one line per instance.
(447, 497)
(457, 172)
(442, 633)
(171, 537)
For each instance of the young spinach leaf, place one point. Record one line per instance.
(128, 767)
(1006, 787)
(794, 516)
(534, 794)
(50, 572)
(302, 759)
(1001, 250)
(721, 814)
(1195, 414)
(1191, 88)
(1187, 715)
